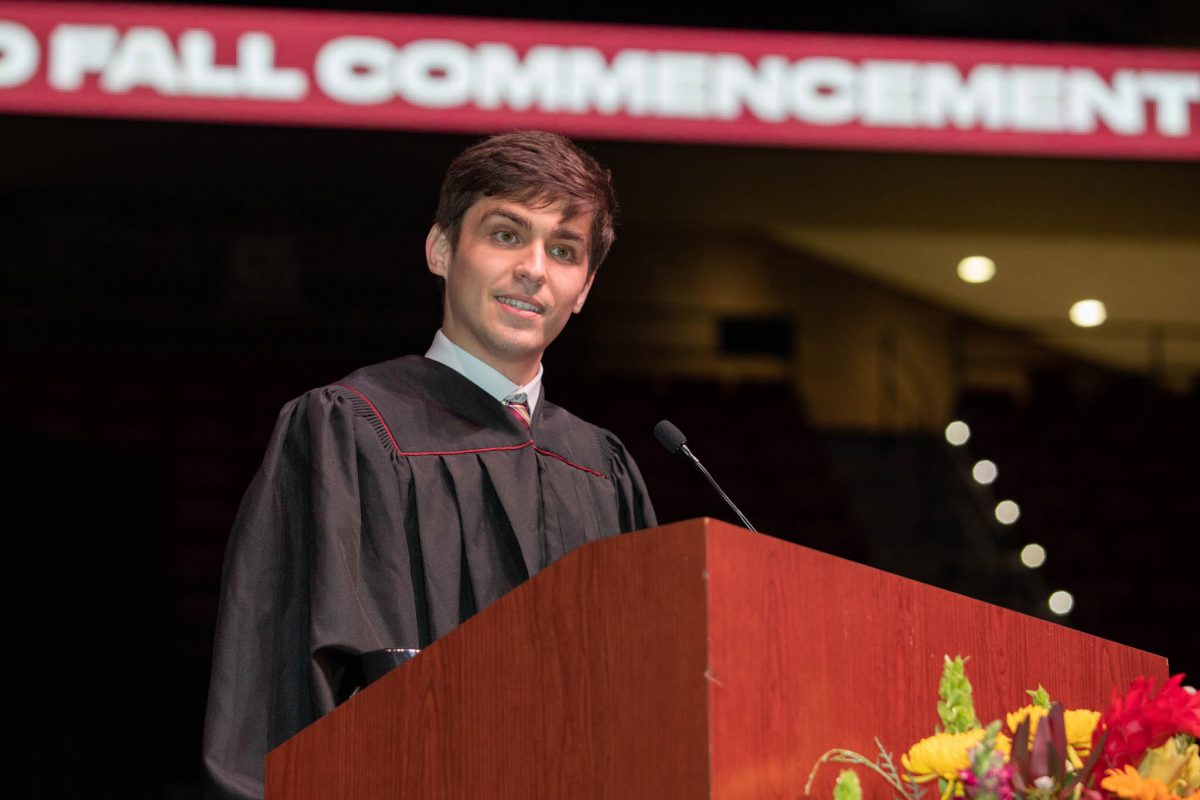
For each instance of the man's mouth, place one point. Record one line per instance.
(521, 305)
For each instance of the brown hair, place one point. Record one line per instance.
(537, 169)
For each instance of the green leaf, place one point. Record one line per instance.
(1041, 698)
(984, 756)
(883, 766)
(847, 786)
(955, 704)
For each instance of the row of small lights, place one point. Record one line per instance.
(1007, 512)
(1085, 313)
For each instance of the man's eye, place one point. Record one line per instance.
(505, 237)
(562, 253)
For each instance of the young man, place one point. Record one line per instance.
(396, 503)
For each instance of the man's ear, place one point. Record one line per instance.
(587, 287)
(438, 251)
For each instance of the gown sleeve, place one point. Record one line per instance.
(634, 508)
(301, 504)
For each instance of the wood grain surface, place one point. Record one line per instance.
(696, 660)
(584, 682)
(811, 652)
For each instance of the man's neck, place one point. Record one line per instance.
(520, 374)
(491, 380)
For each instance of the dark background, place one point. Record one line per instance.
(147, 362)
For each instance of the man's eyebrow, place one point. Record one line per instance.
(569, 235)
(524, 224)
(515, 219)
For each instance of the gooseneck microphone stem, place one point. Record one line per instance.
(673, 440)
(687, 452)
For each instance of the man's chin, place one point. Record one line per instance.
(520, 350)
(516, 349)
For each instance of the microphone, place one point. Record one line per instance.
(673, 440)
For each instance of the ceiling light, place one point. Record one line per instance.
(976, 269)
(958, 432)
(1088, 313)
(1061, 602)
(1007, 512)
(984, 472)
(1033, 555)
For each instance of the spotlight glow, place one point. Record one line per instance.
(976, 269)
(984, 472)
(1088, 313)
(958, 432)
(1061, 602)
(1033, 555)
(1007, 512)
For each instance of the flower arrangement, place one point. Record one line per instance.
(1143, 747)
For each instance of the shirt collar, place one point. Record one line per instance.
(481, 374)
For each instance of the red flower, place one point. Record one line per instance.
(1144, 719)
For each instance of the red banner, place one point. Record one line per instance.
(600, 81)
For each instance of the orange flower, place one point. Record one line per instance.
(1127, 783)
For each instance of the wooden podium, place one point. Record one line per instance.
(694, 660)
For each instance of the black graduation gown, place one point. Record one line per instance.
(389, 508)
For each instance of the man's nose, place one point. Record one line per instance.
(531, 266)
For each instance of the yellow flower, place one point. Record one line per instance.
(944, 755)
(1129, 784)
(1035, 714)
(1190, 775)
(1081, 724)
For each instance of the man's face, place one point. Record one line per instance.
(513, 281)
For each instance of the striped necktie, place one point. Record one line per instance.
(519, 406)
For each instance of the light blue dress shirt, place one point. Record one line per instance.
(479, 373)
